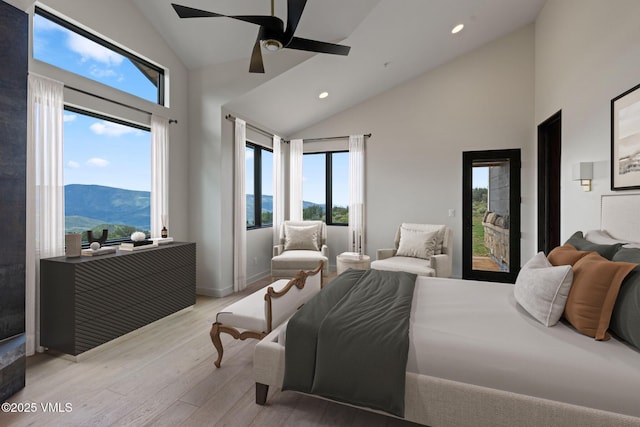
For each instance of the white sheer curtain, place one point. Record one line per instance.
(45, 192)
(240, 210)
(278, 189)
(356, 193)
(159, 174)
(295, 180)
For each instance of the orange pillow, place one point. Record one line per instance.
(565, 255)
(596, 282)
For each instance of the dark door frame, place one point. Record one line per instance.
(468, 159)
(549, 165)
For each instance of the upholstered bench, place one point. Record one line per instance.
(255, 315)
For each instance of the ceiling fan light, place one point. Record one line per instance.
(272, 45)
(457, 29)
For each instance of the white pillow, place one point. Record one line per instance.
(542, 289)
(601, 237)
(416, 243)
(440, 229)
(301, 237)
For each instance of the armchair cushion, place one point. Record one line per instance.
(419, 266)
(301, 237)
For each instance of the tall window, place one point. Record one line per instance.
(64, 45)
(107, 175)
(259, 186)
(326, 183)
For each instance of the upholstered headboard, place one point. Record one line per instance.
(620, 216)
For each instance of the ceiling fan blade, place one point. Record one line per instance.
(318, 46)
(271, 23)
(189, 12)
(294, 13)
(256, 65)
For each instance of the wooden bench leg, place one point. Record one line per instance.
(217, 343)
(261, 393)
(218, 328)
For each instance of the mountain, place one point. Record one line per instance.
(89, 205)
(267, 204)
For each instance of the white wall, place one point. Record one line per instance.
(481, 101)
(211, 168)
(587, 53)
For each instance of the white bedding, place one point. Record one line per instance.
(475, 333)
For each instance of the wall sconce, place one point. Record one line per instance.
(583, 172)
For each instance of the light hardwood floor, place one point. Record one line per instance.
(164, 376)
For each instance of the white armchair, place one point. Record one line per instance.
(302, 245)
(423, 249)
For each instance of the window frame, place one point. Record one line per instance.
(257, 185)
(328, 176)
(101, 41)
(102, 116)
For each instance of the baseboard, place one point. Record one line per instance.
(216, 293)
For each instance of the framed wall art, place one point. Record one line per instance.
(625, 140)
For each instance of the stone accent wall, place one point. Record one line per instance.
(496, 238)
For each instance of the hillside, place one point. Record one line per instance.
(87, 206)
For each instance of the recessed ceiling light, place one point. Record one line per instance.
(457, 29)
(323, 95)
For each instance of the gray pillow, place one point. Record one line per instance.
(542, 289)
(578, 241)
(625, 319)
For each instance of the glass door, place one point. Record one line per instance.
(491, 215)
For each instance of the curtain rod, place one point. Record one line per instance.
(328, 138)
(264, 132)
(249, 125)
(115, 102)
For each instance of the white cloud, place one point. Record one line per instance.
(111, 129)
(69, 118)
(88, 49)
(96, 161)
(72, 164)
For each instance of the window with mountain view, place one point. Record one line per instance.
(326, 183)
(67, 46)
(107, 175)
(259, 186)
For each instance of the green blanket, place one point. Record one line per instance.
(350, 342)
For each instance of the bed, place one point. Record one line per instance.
(477, 358)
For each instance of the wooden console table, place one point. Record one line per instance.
(88, 301)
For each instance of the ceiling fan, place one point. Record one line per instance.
(272, 34)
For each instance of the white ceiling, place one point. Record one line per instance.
(391, 41)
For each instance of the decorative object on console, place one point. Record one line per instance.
(625, 140)
(138, 236)
(583, 172)
(101, 239)
(73, 245)
(99, 251)
(164, 233)
(94, 246)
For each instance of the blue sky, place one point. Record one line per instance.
(105, 153)
(98, 151)
(480, 177)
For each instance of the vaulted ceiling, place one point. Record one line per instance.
(391, 41)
